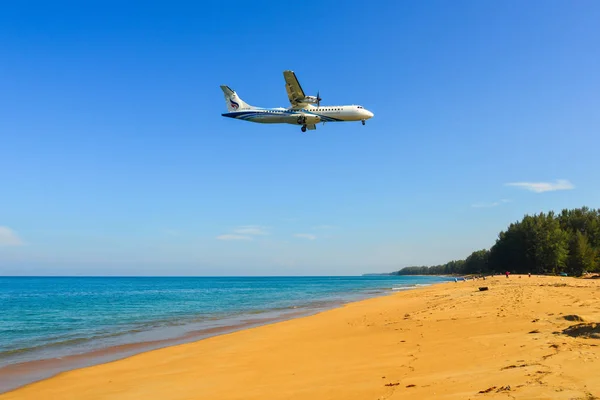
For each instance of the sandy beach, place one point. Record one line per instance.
(446, 341)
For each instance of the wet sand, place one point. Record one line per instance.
(531, 338)
(16, 375)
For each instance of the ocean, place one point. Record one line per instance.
(52, 324)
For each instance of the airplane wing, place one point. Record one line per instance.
(293, 88)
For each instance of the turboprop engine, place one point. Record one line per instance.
(310, 100)
(308, 119)
(313, 99)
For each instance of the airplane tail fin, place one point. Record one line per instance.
(233, 101)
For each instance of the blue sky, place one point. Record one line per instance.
(115, 159)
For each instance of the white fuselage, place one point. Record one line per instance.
(309, 114)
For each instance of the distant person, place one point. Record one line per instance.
(507, 273)
(530, 274)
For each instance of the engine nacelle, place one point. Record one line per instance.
(310, 100)
(308, 119)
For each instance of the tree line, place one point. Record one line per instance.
(545, 243)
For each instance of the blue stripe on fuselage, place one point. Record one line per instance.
(259, 112)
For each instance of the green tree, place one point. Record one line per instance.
(543, 243)
(511, 250)
(582, 220)
(551, 243)
(477, 262)
(582, 256)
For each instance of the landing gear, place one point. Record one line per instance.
(363, 121)
(302, 121)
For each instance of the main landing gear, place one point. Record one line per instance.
(363, 121)
(302, 121)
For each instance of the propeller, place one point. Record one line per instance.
(318, 99)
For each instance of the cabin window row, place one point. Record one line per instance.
(318, 109)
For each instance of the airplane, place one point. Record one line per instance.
(302, 111)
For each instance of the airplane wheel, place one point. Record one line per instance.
(303, 129)
(363, 121)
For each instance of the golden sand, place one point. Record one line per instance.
(447, 341)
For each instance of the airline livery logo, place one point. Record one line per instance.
(234, 105)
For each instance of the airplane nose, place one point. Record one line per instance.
(369, 114)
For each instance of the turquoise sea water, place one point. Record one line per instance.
(80, 321)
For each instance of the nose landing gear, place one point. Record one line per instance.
(303, 128)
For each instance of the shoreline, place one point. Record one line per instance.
(18, 375)
(21, 374)
(440, 341)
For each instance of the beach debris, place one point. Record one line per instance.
(481, 289)
(392, 384)
(487, 390)
(535, 320)
(586, 330)
(573, 318)
(514, 366)
(535, 331)
(411, 385)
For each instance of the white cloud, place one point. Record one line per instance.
(308, 236)
(246, 232)
(233, 237)
(540, 187)
(251, 230)
(488, 205)
(8, 237)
